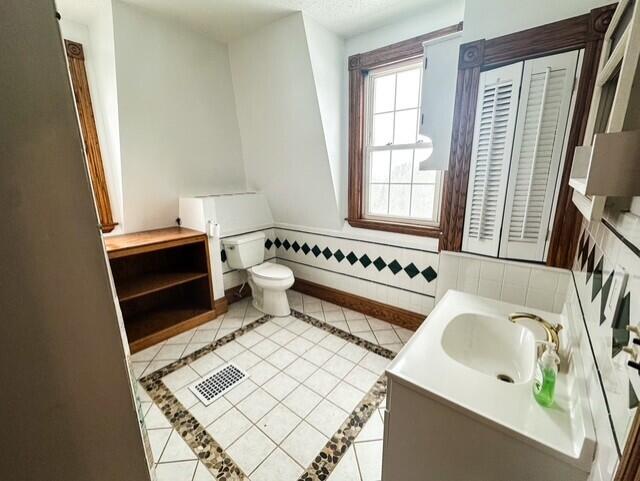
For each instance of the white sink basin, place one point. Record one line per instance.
(491, 345)
(444, 381)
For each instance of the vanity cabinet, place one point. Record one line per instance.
(163, 282)
(429, 440)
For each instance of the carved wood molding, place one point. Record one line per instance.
(584, 31)
(471, 54)
(80, 84)
(398, 51)
(74, 50)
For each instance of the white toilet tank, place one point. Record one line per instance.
(244, 251)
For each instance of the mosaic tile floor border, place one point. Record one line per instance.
(213, 456)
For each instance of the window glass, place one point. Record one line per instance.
(395, 187)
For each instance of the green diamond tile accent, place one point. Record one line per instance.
(411, 270)
(429, 274)
(268, 243)
(379, 263)
(286, 244)
(316, 251)
(305, 248)
(327, 253)
(395, 267)
(277, 243)
(295, 246)
(352, 258)
(338, 255)
(365, 261)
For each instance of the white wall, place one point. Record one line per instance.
(94, 29)
(178, 127)
(326, 51)
(68, 411)
(492, 18)
(283, 141)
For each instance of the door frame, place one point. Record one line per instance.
(581, 32)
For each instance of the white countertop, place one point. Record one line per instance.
(564, 430)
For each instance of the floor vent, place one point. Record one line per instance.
(217, 383)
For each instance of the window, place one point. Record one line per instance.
(387, 189)
(395, 187)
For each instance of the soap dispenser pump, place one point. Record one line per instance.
(544, 383)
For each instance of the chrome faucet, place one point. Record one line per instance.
(551, 330)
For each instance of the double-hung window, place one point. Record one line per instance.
(395, 174)
(395, 187)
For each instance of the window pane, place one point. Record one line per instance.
(399, 200)
(423, 176)
(378, 199)
(422, 201)
(382, 129)
(408, 91)
(406, 125)
(401, 161)
(379, 167)
(383, 92)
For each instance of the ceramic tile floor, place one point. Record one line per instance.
(303, 383)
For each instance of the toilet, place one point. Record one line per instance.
(268, 281)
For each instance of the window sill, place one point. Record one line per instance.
(400, 228)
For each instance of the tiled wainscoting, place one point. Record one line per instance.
(399, 276)
(603, 253)
(530, 285)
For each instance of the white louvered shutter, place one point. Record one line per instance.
(492, 141)
(543, 112)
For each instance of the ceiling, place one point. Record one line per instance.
(226, 20)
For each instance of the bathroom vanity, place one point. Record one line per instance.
(460, 404)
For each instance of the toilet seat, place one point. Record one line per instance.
(270, 271)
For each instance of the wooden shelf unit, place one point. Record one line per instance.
(163, 281)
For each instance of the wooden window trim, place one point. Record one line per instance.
(82, 95)
(581, 32)
(359, 66)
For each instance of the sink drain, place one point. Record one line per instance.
(505, 378)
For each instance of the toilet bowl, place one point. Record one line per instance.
(268, 281)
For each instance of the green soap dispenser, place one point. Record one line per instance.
(544, 383)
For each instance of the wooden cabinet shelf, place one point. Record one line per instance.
(163, 282)
(133, 288)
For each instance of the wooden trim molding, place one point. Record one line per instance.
(359, 66)
(400, 227)
(80, 84)
(581, 32)
(629, 466)
(394, 315)
(221, 306)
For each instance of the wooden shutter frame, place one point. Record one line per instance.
(82, 95)
(581, 32)
(510, 248)
(496, 79)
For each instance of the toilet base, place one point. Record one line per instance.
(270, 301)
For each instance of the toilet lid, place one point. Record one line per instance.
(269, 270)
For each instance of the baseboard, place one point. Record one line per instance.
(221, 305)
(394, 315)
(233, 294)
